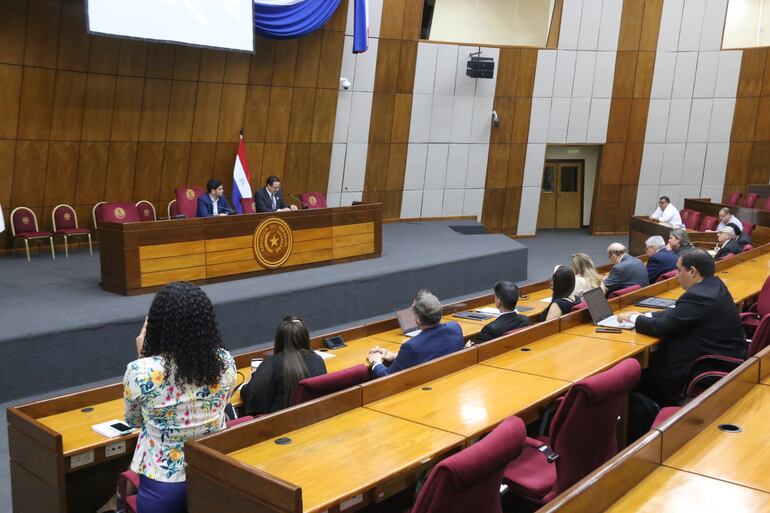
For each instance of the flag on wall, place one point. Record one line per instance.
(241, 177)
(2, 221)
(361, 26)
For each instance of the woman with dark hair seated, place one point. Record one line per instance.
(273, 383)
(176, 391)
(562, 300)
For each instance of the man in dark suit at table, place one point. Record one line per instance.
(434, 340)
(213, 203)
(728, 242)
(506, 297)
(704, 321)
(661, 259)
(270, 197)
(627, 271)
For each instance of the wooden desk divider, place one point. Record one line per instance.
(640, 228)
(764, 364)
(650, 290)
(756, 216)
(516, 340)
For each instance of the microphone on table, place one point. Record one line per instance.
(295, 198)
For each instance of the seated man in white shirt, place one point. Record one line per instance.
(726, 217)
(667, 213)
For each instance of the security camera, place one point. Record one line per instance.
(345, 83)
(495, 119)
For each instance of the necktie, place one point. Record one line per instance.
(273, 196)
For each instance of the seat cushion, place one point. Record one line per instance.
(72, 231)
(530, 475)
(33, 235)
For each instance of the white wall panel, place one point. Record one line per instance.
(333, 199)
(457, 166)
(342, 121)
(435, 167)
(700, 119)
(609, 26)
(425, 69)
(670, 21)
(375, 17)
(652, 164)
(585, 63)
(604, 75)
(673, 160)
(646, 200)
(589, 24)
(598, 119)
(721, 120)
(570, 25)
(453, 202)
(484, 86)
(360, 114)
(337, 168)
(462, 117)
(657, 121)
(565, 74)
(355, 168)
(706, 74)
(713, 24)
(716, 164)
(411, 204)
(446, 70)
(347, 198)
(538, 120)
(663, 76)
(673, 192)
(557, 125)
(419, 125)
(712, 191)
(684, 75)
(577, 129)
(348, 68)
(694, 159)
(432, 202)
(441, 118)
(530, 201)
(478, 155)
(366, 64)
(688, 191)
(728, 71)
(482, 119)
(544, 73)
(416, 158)
(678, 120)
(473, 202)
(533, 165)
(692, 24)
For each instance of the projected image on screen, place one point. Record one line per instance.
(216, 23)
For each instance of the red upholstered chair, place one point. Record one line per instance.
(24, 227)
(187, 200)
(667, 275)
(470, 480)
(733, 199)
(664, 414)
(325, 384)
(766, 204)
(117, 213)
(624, 291)
(580, 306)
(146, 211)
(750, 199)
(248, 206)
(171, 209)
(709, 223)
(747, 228)
(728, 255)
(65, 224)
(747, 247)
(583, 435)
(693, 220)
(313, 199)
(758, 310)
(684, 214)
(93, 215)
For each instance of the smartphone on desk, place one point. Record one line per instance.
(603, 329)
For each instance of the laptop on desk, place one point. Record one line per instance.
(600, 310)
(407, 322)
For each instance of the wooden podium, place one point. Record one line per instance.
(640, 228)
(142, 257)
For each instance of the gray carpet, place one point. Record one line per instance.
(547, 249)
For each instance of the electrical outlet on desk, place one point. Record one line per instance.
(115, 449)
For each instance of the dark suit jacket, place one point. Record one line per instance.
(661, 262)
(629, 271)
(206, 206)
(503, 324)
(264, 393)
(704, 321)
(731, 247)
(440, 340)
(265, 204)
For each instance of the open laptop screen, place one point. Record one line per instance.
(597, 304)
(406, 320)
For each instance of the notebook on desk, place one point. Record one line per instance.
(407, 322)
(656, 302)
(600, 310)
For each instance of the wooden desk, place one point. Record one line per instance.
(627, 336)
(472, 401)
(141, 257)
(741, 458)
(756, 216)
(75, 426)
(345, 455)
(470, 329)
(667, 490)
(640, 228)
(565, 357)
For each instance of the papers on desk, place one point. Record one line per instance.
(324, 354)
(546, 299)
(488, 310)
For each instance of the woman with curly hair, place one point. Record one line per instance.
(177, 390)
(273, 383)
(586, 276)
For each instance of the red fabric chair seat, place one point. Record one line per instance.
(248, 206)
(709, 223)
(187, 200)
(33, 235)
(580, 306)
(693, 220)
(747, 247)
(733, 199)
(325, 384)
(530, 477)
(766, 204)
(72, 231)
(624, 291)
(747, 227)
(750, 200)
(666, 275)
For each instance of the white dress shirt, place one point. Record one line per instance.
(669, 215)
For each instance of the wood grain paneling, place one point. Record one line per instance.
(324, 115)
(261, 66)
(506, 110)
(181, 111)
(752, 72)
(147, 175)
(520, 130)
(402, 116)
(74, 42)
(285, 63)
(396, 168)
(67, 116)
(308, 60)
(212, 67)
(377, 158)
(103, 56)
(201, 167)
(29, 173)
(175, 164)
(406, 67)
(630, 28)
(255, 113)
(273, 160)
(330, 60)
(13, 29)
(10, 78)
(762, 130)
(412, 19)
(207, 111)
(388, 58)
(653, 11)
(497, 165)
(41, 47)
(121, 163)
(223, 163)
(759, 166)
(62, 173)
(155, 109)
(295, 170)
(92, 172)
(511, 208)
(526, 72)
(494, 205)
(37, 93)
(625, 73)
(645, 64)
(516, 158)
(237, 68)
(132, 59)
(160, 61)
(127, 109)
(507, 72)
(301, 118)
(744, 119)
(97, 113)
(231, 112)
(383, 105)
(738, 160)
(7, 161)
(318, 167)
(555, 27)
(392, 19)
(279, 114)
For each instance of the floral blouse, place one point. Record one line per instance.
(167, 414)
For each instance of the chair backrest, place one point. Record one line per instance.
(146, 211)
(94, 216)
(667, 275)
(733, 198)
(187, 200)
(761, 337)
(313, 199)
(766, 204)
(117, 213)
(171, 209)
(747, 227)
(584, 429)
(23, 220)
(684, 214)
(693, 220)
(325, 384)
(63, 217)
(709, 223)
(747, 247)
(248, 206)
(623, 291)
(750, 199)
(579, 306)
(470, 480)
(763, 301)
(726, 256)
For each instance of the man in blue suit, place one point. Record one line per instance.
(213, 203)
(661, 259)
(435, 339)
(270, 197)
(627, 271)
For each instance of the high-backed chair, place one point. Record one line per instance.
(146, 211)
(65, 224)
(582, 436)
(24, 227)
(248, 206)
(171, 209)
(747, 247)
(187, 200)
(693, 220)
(313, 199)
(470, 480)
(684, 214)
(667, 275)
(623, 291)
(766, 204)
(747, 227)
(579, 306)
(117, 213)
(758, 310)
(325, 384)
(733, 199)
(93, 215)
(750, 199)
(709, 223)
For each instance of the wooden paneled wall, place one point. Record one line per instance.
(621, 159)
(86, 118)
(749, 158)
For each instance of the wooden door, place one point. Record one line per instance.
(561, 195)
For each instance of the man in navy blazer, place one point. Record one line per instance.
(213, 203)
(435, 339)
(661, 259)
(627, 271)
(270, 197)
